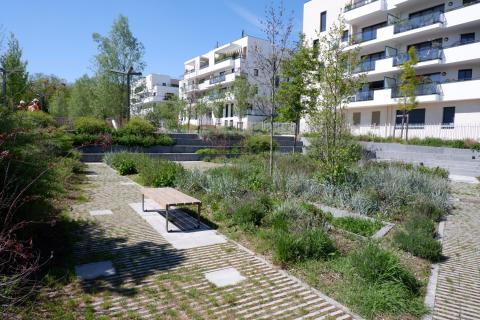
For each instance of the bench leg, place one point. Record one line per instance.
(166, 216)
(198, 215)
(143, 202)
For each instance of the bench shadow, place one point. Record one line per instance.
(134, 263)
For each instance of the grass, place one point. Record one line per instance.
(363, 227)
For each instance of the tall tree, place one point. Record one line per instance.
(59, 102)
(217, 100)
(243, 94)
(119, 51)
(166, 114)
(334, 82)
(82, 98)
(44, 87)
(408, 85)
(277, 27)
(294, 90)
(17, 75)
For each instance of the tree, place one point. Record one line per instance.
(294, 89)
(82, 98)
(59, 102)
(218, 96)
(277, 27)
(331, 73)
(119, 51)
(408, 85)
(202, 110)
(17, 75)
(165, 113)
(44, 87)
(243, 94)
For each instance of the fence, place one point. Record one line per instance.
(284, 128)
(438, 130)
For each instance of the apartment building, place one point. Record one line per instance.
(152, 88)
(220, 67)
(446, 37)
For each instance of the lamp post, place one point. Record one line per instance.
(129, 73)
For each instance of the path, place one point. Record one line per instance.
(155, 280)
(458, 285)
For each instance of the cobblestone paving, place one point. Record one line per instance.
(458, 285)
(155, 281)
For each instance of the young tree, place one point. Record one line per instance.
(277, 27)
(408, 84)
(59, 102)
(202, 110)
(82, 98)
(243, 94)
(118, 51)
(334, 82)
(293, 92)
(16, 69)
(218, 97)
(165, 113)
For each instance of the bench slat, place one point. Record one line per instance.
(169, 196)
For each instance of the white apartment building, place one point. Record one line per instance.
(152, 88)
(446, 36)
(221, 66)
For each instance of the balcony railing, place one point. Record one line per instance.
(364, 95)
(422, 89)
(360, 37)
(217, 79)
(422, 55)
(204, 65)
(365, 66)
(357, 4)
(418, 22)
(189, 71)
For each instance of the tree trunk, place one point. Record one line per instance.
(403, 124)
(406, 129)
(297, 126)
(271, 145)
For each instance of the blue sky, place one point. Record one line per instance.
(56, 35)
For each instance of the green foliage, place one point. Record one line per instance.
(251, 213)
(90, 125)
(363, 227)
(429, 142)
(244, 93)
(33, 120)
(138, 126)
(166, 113)
(209, 151)
(312, 244)
(125, 163)
(258, 144)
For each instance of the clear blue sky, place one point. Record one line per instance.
(56, 35)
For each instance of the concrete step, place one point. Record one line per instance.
(416, 155)
(183, 135)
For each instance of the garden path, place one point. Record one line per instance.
(154, 280)
(458, 285)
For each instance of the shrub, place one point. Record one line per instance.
(158, 173)
(192, 181)
(90, 125)
(312, 244)
(376, 265)
(258, 144)
(251, 213)
(363, 227)
(132, 140)
(209, 151)
(139, 126)
(37, 119)
(125, 163)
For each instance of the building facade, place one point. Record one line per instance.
(446, 37)
(153, 88)
(218, 69)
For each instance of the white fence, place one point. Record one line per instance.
(442, 131)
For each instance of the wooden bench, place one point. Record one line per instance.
(169, 197)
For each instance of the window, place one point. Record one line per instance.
(164, 84)
(416, 117)
(345, 36)
(231, 110)
(323, 21)
(427, 12)
(277, 82)
(375, 118)
(225, 114)
(370, 33)
(357, 116)
(231, 123)
(467, 38)
(448, 118)
(255, 72)
(315, 43)
(226, 123)
(464, 74)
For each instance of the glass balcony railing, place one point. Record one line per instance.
(365, 66)
(364, 95)
(422, 55)
(204, 65)
(417, 22)
(363, 37)
(357, 4)
(422, 89)
(217, 79)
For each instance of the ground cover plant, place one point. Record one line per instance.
(275, 215)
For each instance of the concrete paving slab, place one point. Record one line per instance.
(129, 183)
(104, 212)
(178, 238)
(224, 277)
(94, 270)
(466, 179)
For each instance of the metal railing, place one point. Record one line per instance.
(418, 22)
(357, 4)
(365, 66)
(422, 55)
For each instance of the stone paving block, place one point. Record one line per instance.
(94, 270)
(224, 277)
(104, 212)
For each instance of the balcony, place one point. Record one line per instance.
(456, 90)
(418, 22)
(422, 55)
(466, 52)
(423, 89)
(365, 66)
(363, 10)
(364, 95)
(204, 65)
(217, 79)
